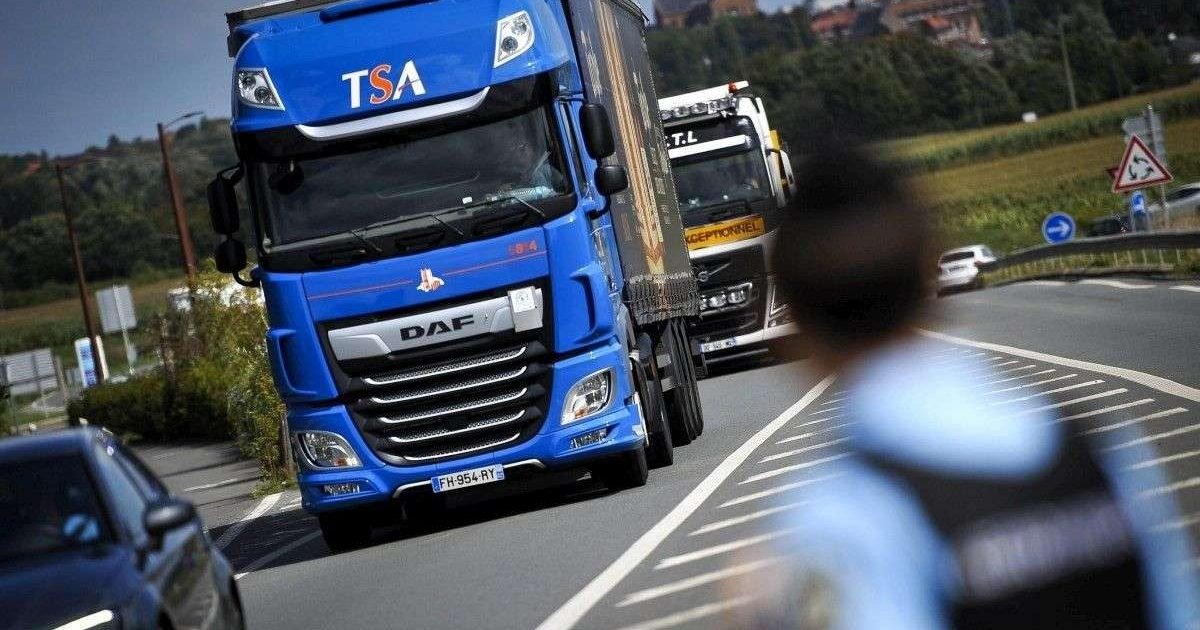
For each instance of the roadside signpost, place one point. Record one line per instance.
(1058, 227)
(1140, 168)
(117, 314)
(1144, 165)
(89, 368)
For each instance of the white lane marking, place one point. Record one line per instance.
(691, 614)
(1031, 366)
(1164, 385)
(793, 468)
(1166, 459)
(818, 420)
(825, 410)
(1104, 410)
(762, 494)
(218, 484)
(1125, 423)
(1187, 287)
(1066, 388)
(1182, 523)
(271, 557)
(1172, 487)
(833, 400)
(813, 447)
(228, 535)
(812, 433)
(1065, 403)
(1044, 283)
(1117, 284)
(579, 604)
(746, 518)
(1154, 438)
(1033, 384)
(716, 550)
(1020, 376)
(670, 588)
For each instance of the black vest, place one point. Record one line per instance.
(1050, 551)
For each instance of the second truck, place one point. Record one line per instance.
(733, 179)
(471, 255)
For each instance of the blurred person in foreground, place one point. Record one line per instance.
(948, 511)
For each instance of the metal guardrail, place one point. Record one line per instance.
(1137, 241)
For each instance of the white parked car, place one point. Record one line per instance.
(957, 270)
(1183, 201)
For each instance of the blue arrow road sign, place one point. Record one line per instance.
(1058, 227)
(1137, 203)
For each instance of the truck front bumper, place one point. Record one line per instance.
(618, 428)
(747, 346)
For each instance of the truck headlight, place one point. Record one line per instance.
(588, 396)
(323, 449)
(514, 35)
(254, 88)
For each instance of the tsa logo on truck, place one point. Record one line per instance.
(383, 87)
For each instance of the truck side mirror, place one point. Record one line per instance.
(230, 256)
(223, 206)
(611, 178)
(597, 130)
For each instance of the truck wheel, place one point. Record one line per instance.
(660, 452)
(345, 530)
(683, 401)
(624, 471)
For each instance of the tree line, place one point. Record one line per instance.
(888, 86)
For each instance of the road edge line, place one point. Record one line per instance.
(235, 529)
(274, 555)
(1164, 385)
(573, 610)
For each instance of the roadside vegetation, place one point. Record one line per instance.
(214, 381)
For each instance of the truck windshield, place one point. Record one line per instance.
(515, 157)
(708, 182)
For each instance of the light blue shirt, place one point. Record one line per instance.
(888, 566)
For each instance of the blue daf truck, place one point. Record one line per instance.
(466, 234)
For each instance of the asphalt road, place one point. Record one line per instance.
(655, 557)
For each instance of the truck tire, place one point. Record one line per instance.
(624, 471)
(345, 530)
(683, 401)
(660, 450)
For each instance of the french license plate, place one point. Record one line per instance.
(718, 345)
(466, 478)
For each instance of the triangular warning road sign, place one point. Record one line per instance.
(1139, 168)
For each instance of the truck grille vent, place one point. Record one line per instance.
(453, 404)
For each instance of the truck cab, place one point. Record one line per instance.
(469, 271)
(733, 178)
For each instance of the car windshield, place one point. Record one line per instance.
(46, 506)
(327, 195)
(956, 256)
(706, 183)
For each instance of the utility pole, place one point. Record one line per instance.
(1066, 60)
(80, 280)
(186, 253)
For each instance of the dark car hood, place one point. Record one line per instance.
(51, 590)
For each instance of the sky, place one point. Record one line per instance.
(72, 72)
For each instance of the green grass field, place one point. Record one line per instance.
(1000, 198)
(57, 324)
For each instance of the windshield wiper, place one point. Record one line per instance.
(357, 233)
(500, 200)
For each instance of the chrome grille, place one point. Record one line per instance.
(454, 401)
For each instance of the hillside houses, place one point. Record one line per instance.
(949, 23)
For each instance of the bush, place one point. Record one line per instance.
(214, 383)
